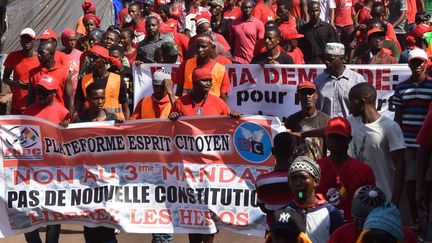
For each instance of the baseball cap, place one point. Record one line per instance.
(160, 75)
(334, 48)
(417, 53)
(203, 17)
(375, 31)
(48, 34)
(420, 29)
(28, 31)
(339, 125)
(200, 74)
(306, 85)
(48, 82)
(217, 3)
(288, 220)
(170, 48)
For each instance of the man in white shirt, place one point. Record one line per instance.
(377, 140)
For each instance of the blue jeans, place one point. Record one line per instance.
(52, 235)
(162, 238)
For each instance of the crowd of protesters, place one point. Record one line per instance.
(341, 166)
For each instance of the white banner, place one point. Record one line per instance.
(270, 90)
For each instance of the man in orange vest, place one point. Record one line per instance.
(220, 86)
(159, 104)
(115, 88)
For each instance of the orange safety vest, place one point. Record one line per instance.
(217, 72)
(112, 91)
(147, 110)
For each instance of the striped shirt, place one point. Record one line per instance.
(413, 99)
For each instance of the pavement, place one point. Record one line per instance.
(73, 233)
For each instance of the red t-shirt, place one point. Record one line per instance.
(61, 58)
(211, 106)
(58, 72)
(263, 12)
(246, 33)
(411, 10)
(290, 24)
(182, 42)
(347, 233)
(223, 60)
(353, 174)
(21, 67)
(169, 26)
(343, 13)
(54, 113)
(179, 78)
(122, 15)
(231, 14)
(297, 56)
(364, 14)
(138, 28)
(295, 9)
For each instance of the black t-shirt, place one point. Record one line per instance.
(79, 95)
(313, 146)
(223, 28)
(263, 58)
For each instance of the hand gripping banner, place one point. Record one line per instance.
(148, 176)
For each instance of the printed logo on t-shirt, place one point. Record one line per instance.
(21, 142)
(252, 142)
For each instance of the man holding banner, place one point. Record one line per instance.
(201, 103)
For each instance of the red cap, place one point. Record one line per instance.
(373, 31)
(290, 34)
(306, 85)
(200, 74)
(339, 125)
(420, 29)
(48, 82)
(48, 34)
(103, 52)
(203, 17)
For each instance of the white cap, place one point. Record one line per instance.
(334, 48)
(160, 75)
(417, 53)
(29, 32)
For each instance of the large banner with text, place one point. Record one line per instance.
(155, 176)
(271, 89)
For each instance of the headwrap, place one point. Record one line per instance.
(387, 218)
(201, 73)
(103, 52)
(306, 164)
(66, 34)
(206, 39)
(95, 18)
(88, 7)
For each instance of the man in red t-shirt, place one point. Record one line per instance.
(50, 35)
(46, 107)
(135, 22)
(20, 63)
(48, 65)
(201, 103)
(341, 175)
(342, 20)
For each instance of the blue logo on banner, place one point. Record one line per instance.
(252, 142)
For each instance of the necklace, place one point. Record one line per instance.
(199, 110)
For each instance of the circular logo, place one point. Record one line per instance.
(252, 142)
